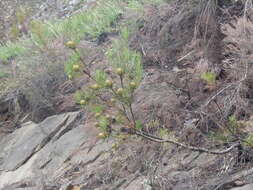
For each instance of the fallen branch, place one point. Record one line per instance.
(193, 148)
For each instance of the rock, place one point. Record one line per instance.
(245, 187)
(49, 150)
(138, 184)
(74, 2)
(21, 149)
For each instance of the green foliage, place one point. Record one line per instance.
(3, 75)
(79, 95)
(156, 2)
(74, 59)
(227, 134)
(40, 33)
(135, 5)
(120, 55)
(249, 140)
(163, 132)
(138, 125)
(103, 123)
(127, 76)
(90, 97)
(100, 77)
(138, 5)
(209, 77)
(233, 125)
(97, 108)
(153, 124)
(91, 22)
(120, 119)
(11, 50)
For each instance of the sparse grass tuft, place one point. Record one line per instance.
(89, 23)
(120, 56)
(40, 33)
(209, 77)
(10, 50)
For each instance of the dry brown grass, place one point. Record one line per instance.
(239, 43)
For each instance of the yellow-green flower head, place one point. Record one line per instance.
(71, 44)
(120, 91)
(76, 67)
(108, 83)
(120, 71)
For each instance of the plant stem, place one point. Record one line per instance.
(124, 108)
(121, 81)
(132, 114)
(130, 105)
(89, 75)
(87, 72)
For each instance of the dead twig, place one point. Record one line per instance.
(185, 56)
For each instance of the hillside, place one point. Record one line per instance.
(131, 95)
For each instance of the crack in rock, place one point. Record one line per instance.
(43, 143)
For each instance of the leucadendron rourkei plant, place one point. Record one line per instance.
(106, 92)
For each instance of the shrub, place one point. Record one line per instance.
(115, 90)
(40, 34)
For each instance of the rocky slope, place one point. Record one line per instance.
(60, 153)
(179, 42)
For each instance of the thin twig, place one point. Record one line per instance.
(121, 81)
(218, 93)
(124, 108)
(182, 58)
(87, 72)
(132, 114)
